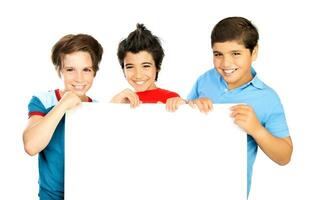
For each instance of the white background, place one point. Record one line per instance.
(30, 28)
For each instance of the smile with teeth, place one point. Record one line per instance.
(139, 82)
(229, 71)
(79, 87)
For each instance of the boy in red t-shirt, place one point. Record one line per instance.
(140, 56)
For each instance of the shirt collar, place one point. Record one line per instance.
(256, 82)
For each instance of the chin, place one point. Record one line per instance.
(140, 89)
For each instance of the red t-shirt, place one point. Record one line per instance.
(156, 95)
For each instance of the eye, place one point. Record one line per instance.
(146, 66)
(236, 54)
(69, 69)
(216, 54)
(129, 67)
(87, 70)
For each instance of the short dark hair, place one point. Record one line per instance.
(141, 40)
(235, 28)
(73, 43)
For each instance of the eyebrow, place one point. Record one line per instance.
(75, 67)
(149, 63)
(233, 51)
(144, 63)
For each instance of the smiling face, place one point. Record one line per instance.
(233, 62)
(77, 73)
(140, 70)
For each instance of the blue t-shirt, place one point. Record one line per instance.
(51, 159)
(258, 95)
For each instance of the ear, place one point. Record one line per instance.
(255, 52)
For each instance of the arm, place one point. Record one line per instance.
(277, 149)
(39, 130)
(126, 96)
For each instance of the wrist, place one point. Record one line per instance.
(62, 106)
(258, 131)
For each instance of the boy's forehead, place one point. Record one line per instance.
(229, 45)
(141, 55)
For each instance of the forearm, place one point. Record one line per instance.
(38, 136)
(277, 149)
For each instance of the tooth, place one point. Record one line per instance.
(229, 71)
(139, 82)
(79, 87)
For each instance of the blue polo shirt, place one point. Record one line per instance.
(263, 99)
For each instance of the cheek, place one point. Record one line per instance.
(151, 74)
(66, 78)
(128, 75)
(90, 78)
(217, 63)
(216, 60)
(242, 64)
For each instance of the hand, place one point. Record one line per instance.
(70, 100)
(127, 96)
(173, 103)
(204, 104)
(245, 117)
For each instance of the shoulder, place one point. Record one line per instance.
(266, 100)
(211, 72)
(47, 99)
(269, 94)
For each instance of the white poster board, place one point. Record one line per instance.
(113, 152)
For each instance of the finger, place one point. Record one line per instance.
(239, 111)
(201, 106)
(170, 104)
(137, 101)
(167, 105)
(175, 104)
(240, 106)
(210, 105)
(133, 100)
(241, 117)
(206, 104)
(192, 104)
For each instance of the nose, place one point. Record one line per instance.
(79, 76)
(227, 62)
(138, 73)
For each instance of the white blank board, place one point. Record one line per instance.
(113, 152)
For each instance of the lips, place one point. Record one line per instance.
(229, 71)
(139, 82)
(79, 87)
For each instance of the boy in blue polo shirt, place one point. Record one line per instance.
(234, 42)
(76, 58)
